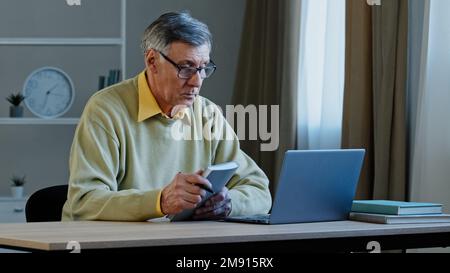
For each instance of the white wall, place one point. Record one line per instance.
(224, 19)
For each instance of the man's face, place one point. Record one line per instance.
(170, 90)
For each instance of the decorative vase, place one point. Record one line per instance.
(15, 111)
(17, 192)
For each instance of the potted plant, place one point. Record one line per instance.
(17, 186)
(15, 110)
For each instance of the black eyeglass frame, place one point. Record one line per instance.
(211, 64)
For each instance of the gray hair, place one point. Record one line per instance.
(175, 26)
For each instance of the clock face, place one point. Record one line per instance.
(49, 92)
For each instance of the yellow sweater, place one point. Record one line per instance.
(124, 152)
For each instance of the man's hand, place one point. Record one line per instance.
(217, 206)
(183, 193)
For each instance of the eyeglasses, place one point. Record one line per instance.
(188, 72)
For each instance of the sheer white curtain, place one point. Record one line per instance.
(430, 99)
(321, 74)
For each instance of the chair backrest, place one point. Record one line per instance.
(45, 205)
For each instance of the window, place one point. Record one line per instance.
(321, 74)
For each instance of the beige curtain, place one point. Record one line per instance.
(267, 73)
(375, 95)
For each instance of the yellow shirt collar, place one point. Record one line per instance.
(148, 106)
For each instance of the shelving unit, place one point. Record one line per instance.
(50, 158)
(82, 41)
(61, 41)
(12, 210)
(39, 121)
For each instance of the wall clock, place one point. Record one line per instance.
(49, 92)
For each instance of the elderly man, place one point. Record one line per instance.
(126, 164)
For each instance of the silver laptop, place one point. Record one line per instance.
(314, 186)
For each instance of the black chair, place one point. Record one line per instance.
(46, 204)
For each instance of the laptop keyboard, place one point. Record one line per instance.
(254, 217)
(258, 218)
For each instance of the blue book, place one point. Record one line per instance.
(399, 219)
(395, 207)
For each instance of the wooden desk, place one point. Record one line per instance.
(221, 236)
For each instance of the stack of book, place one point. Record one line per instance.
(397, 212)
(113, 78)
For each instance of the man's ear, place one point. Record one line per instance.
(150, 60)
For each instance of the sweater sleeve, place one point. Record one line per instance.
(249, 187)
(94, 170)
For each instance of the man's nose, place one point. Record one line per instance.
(196, 80)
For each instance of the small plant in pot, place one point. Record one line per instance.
(17, 184)
(15, 110)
